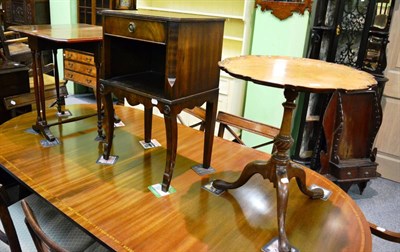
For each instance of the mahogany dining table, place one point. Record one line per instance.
(113, 204)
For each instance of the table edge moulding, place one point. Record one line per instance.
(293, 75)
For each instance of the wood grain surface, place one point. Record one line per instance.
(114, 204)
(69, 33)
(301, 74)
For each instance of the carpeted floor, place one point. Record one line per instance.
(381, 206)
(80, 99)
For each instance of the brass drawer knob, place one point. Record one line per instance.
(131, 27)
(338, 30)
(13, 102)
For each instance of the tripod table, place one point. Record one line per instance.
(293, 75)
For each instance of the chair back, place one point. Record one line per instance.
(227, 121)
(64, 234)
(9, 236)
(199, 113)
(384, 233)
(13, 47)
(42, 242)
(382, 13)
(230, 122)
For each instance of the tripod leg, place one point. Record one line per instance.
(258, 166)
(295, 170)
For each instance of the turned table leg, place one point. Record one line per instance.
(279, 170)
(41, 121)
(97, 61)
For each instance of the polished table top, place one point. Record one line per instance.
(301, 74)
(70, 33)
(114, 204)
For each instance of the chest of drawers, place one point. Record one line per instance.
(80, 68)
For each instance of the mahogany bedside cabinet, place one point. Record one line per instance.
(164, 60)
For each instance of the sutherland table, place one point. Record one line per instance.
(164, 60)
(115, 206)
(293, 75)
(52, 37)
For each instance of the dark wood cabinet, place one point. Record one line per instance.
(353, 33)
(14, 80)
(164, 60)
(346, 32)
(350, 125)
(24, 12)
(89, 11)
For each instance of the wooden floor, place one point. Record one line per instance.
(114, 204)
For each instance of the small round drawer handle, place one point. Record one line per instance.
(349, 173)
(366, 173)
(131, 27)
(13, 102)
(88, 81)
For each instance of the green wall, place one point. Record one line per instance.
(63, 12)
(272, 36)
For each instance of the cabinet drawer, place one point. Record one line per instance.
(367, 172)
(81, 68)
(347, 173)
(85, 80)
(153, 31)
(80, 57)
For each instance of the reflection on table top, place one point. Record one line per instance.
(114, 204)
(299, 73)
(70, 33)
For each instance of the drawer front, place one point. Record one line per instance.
(153, 31)
(85, 80)
(347, 173)
(80, 57)
(367, 172)
(81, 68)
